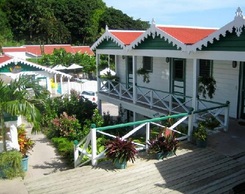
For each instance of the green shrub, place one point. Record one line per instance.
(65, 148)
(11, 165)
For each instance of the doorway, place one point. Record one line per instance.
(178, 78)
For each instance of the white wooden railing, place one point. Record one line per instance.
(82, 150)
(152, 98)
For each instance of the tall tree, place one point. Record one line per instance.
(116, 19)
(5, 30)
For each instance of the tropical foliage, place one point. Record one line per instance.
(16, 100)
(120, 150)
(66, 126)
(163, 144)
(26, 144)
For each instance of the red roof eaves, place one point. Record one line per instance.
(48, 49)
(4, 58)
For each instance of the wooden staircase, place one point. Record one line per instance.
(193, 170)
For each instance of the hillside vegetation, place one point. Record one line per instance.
(77, 22)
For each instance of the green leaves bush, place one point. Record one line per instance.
(65, 148)
(10, 164)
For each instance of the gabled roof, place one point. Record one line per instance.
(5, 60)
(177, 35)
(127, 37)
(121, 37)
(185, 38)
(36, 50)
(187, 35)
(238, 23)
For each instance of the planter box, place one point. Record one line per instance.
(119, 165)
(201, 143)
(24, 163)
(162, 155)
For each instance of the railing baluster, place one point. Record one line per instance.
(94, 145)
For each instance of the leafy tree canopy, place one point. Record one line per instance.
(60, 56)
(64, 21)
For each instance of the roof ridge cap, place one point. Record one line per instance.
(191, 27)
(127, 30)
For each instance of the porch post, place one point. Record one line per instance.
(98, 82)
(147, 135)
(190, 126)
(69, 87)
(93, 144)
(195, 87)
(226, 119)
(134, 80)
(61, 84)
(55, 83)
(76, 153)
(49, 85)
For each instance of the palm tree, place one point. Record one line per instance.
(16, 100)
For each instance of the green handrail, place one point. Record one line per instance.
(141, 122)
(212, 108)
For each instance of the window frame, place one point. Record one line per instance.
(202, 63)
(148, 64)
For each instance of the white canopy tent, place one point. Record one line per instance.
(106, 71)
(74, 66)
(59, 67)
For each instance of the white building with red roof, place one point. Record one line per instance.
(14, 58)
(175, 59)
(32, 51)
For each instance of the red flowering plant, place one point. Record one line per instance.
(163, 144)
(66, 126)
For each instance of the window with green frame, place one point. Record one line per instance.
(148, 64)
(205, 68)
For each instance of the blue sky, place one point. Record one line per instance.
(202, 13)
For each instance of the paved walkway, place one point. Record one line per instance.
(44, 161)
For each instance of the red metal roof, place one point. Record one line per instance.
(127, 37)
(14, 49)
(187, 35)
(4, 58)
(48, 49)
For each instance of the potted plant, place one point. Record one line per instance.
(200, 135)
(26, 145)
(145, 74)
(211, 123)
(120, 152)
(206, 86)
(163, 146)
